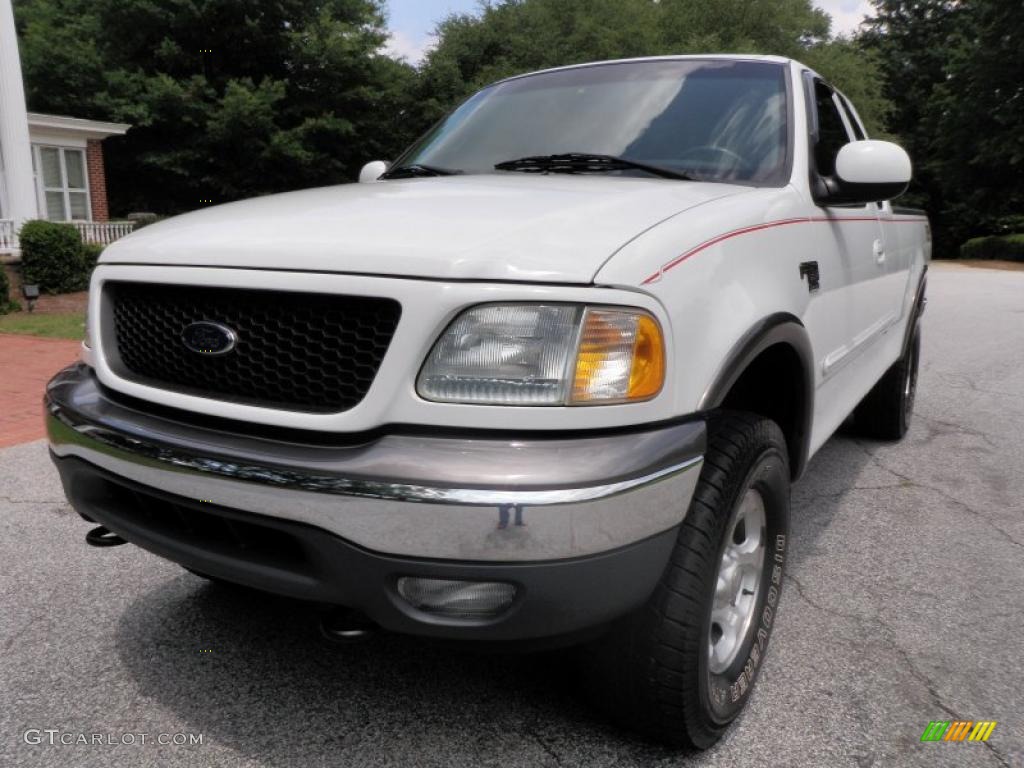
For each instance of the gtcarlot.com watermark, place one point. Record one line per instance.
(57, 737)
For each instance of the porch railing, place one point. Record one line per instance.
(99, 232)
(103, 232)
(6, 235)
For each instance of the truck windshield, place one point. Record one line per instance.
(709, 120)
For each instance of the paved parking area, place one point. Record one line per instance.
(26, 364)
(903, 605)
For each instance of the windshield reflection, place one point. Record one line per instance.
(711, 120)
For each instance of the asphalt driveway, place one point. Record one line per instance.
(903, 605)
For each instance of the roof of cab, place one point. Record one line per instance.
(785, 60)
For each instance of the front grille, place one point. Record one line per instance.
(295, 351)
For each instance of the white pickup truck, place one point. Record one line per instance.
(544, 379)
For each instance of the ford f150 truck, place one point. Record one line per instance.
(546, 378)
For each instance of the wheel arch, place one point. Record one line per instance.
(776, 350)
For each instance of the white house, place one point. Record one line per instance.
(51, 166)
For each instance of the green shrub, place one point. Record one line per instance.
(7, 304)
(54, 257)
(90, 254)
(51, 257)
(1009, 247)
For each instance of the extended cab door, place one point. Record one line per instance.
(854, 232)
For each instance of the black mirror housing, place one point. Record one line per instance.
(831, 190)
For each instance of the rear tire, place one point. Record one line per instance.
(885, 412)
(681, 668)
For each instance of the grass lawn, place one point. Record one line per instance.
(57, 325)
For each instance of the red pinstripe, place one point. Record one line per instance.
(769, 225)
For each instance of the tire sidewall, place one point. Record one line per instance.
(911, 362)
(724, 695)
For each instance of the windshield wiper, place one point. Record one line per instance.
(584, 162)
(414, 170)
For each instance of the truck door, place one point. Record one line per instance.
(854, 232)
(896, 254)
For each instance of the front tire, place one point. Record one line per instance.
(682, 667)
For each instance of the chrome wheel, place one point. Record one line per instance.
(739, 582)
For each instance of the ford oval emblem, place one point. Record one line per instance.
(209, 338)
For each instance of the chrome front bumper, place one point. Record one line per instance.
(493, 499)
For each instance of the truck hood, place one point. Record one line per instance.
(552, 228)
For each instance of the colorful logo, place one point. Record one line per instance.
(958, 730)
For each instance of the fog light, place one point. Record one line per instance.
(457, 599)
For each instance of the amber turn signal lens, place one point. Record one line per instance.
(648, 370)
(620, 358)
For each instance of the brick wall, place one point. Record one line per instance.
(97, 179)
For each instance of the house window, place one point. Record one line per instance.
(63, 187)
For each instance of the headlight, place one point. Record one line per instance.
(546, 354)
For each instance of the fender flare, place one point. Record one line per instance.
(916, 310)
(777, 328)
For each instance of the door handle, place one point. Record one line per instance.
(879, 251)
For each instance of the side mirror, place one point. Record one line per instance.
(869, 172)
(372, 171)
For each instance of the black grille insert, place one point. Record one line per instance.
(295, 351)
(188, 524)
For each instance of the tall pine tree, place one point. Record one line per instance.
(955, 77)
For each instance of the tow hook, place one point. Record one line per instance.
(101, 537)
(347, 626)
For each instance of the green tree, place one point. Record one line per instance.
(233, 98)
(977, 111)
(856, 71)
(228, 98)
(913, 41)
(956, 82)
(521, 35)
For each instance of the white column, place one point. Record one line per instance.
(14, 142)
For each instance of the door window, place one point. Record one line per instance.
(852, 118)
(832, 133)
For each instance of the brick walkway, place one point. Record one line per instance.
(26, 364)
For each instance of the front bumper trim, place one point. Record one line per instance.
(355, 487)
